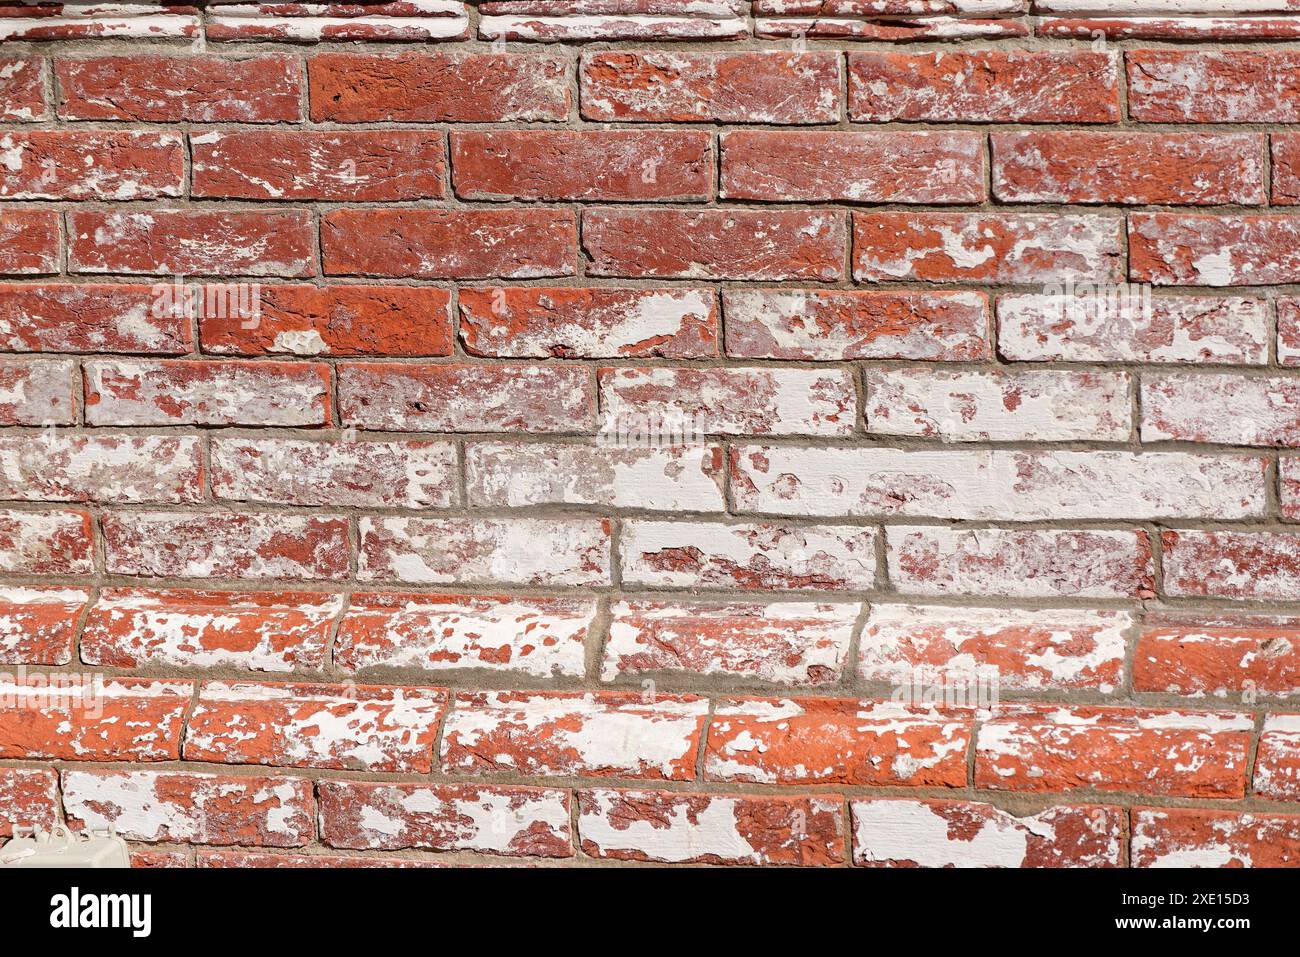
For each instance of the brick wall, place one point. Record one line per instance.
(785, 433)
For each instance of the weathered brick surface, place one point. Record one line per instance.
(681, 828)
(568, 734)
(1182, 330)
(37, 393)
(124, 469)
(37, 626)
(1030, 650)
(909, 833)
(202, 392)
(600, 323)
(829, 325)
(346, 165)
(862, 167)
(191, 807)
(991, 86)
(675, 479)
(437, 87)
(276, 631)
(167, 242)
(46, 542)
(1177, 169)
(370, 474)
(1277, 765)
(794, 643)
(1169, 753)
(125, 720)
(172, 89)
(1037, 248)
(29, 241)
(752, 556)
(58, 164)
(90, 317)
(22, 80)
(993, 485)
(839, 433)
(1232, 564)
(837, 741)
(1191, 837)
(446, 817)
(362, 728)
(1020, 563)
(31, 797)
(519, 551)
(1210, 86)
(1002, 407)
(408, 397)
(543, 637)
(668, 87)
(225, 545)
(1232, 656)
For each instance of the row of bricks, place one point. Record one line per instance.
(775, 87)
(1002, 248)
(927, 167)
(1080, 324)
(619, 824)
(1234, 656)
(1044, 748)
(660, 20)
(993, 405)
(559, 552)
(1008, 485)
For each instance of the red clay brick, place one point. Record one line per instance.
(607, 165)
(678, 828)
(984, 86)
(37, 625)
(666, 87)
(30, 797)
(537, 322)
(837, 741)
(438, 87)
(552, 734)
(191, 242)
(1192, 837)
(91, 317)
(714, 244)
(1159, 169)
(78, 718)
(511, 821)
(193, 89)
(273, 631)
(29, 241)
(334, 320)
(449, 244)
(191, 808)
(929, 167)
(22, 88)
(1214, 86)
(72, 164)
(1167, 753)
(340, 165)
(354, 727)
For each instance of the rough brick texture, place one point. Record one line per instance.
(778, 433)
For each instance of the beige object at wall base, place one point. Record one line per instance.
(60, 847)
